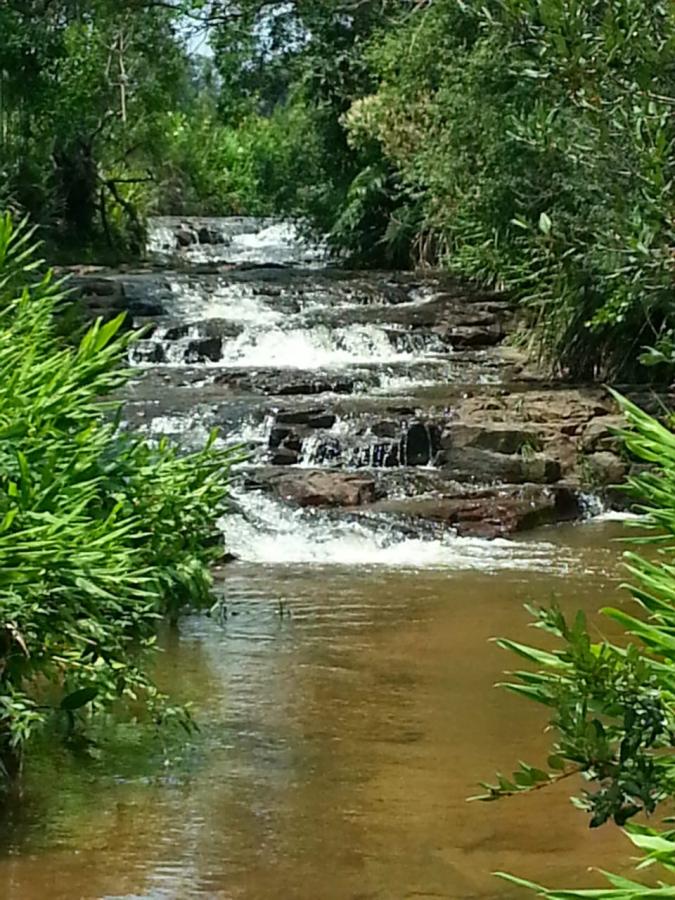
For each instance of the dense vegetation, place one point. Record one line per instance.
(613, 705)
(101, 534)
(523, 143)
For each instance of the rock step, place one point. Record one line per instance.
(486, 512)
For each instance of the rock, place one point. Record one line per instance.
(207, 235)
(284, 456)
(461, 336)
(313, 418)
(185, 237)
(317, 488)
(278, 435)
(323, 420)
(599, 434)
(604, 468)
(420, 444)
(203, 349)
(387, 428)
(149, 352)
(499, 438)
(176, 332)
(145, 308)
(98, 287)
(318, 386)
(485, 466)
(492, 513)
(540, 469)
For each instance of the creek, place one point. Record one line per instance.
(393, 513)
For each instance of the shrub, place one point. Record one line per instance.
(534, 141)
(101, 534)
(612, 706)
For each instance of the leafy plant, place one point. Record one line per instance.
(101, 534)
(658, 848)
(612, 706)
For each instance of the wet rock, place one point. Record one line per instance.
(323, 420)
(98, 287)
(278, 435)
(176, 332)
(146, 307)
(209, 235)
(494, 513)
(604, 468)
(309, 386)
(312, 418)
(473, 465)
(185, 237)
(203, 349)
(401, 410)
(317, 488)
(149, 352)
(499, 438)
(420, 444)
(284, 456)
(461, 336)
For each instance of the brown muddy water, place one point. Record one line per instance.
(346, 703)
(337, 747)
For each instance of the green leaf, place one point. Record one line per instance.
(79, 698)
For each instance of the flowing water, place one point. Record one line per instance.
(345, 694)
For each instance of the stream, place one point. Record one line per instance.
(345, 696)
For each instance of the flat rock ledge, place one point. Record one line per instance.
(487, 512)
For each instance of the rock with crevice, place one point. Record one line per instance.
(204, 349)
(604, 469)
(497, 437)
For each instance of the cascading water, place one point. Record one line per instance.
(343, 683)
(268, 354)
(266, 531)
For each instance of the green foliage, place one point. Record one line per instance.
(612, 706)
(658, 847)
(302, 66)
(87, 95)
(523, 143)
(100, 533)
(540, 134)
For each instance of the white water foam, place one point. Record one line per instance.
(595, 509)
(317, 348)
(278, 242)
(231, 302)
(260, 241)
(267, 531)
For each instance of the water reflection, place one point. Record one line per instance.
(336, 751)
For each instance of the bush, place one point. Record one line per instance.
(534, 140)
(612, 706)
(101, 534)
